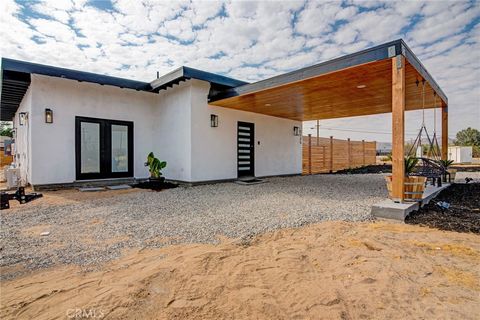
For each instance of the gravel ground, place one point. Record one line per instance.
(94, 231)
(460, 176)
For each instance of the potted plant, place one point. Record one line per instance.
(414, 186)
(154, 167)
(446, 164)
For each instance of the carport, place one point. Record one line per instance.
(383, 79)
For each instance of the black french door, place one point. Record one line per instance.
(245, 149)
(103, 148)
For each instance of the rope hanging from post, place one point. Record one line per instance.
(435, 145)
(434, 112)
(432, 143)
(430, 167)
(418, 139)
(423, 102)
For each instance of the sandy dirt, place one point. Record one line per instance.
(65, 197)
(330, 270)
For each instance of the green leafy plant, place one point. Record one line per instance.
(469, 137)
(445, 163)
(155, 166)
(6, 129)
(410, 164)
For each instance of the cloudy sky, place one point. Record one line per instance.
(252, 40)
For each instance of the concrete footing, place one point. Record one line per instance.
(86, 184)
(388, 209)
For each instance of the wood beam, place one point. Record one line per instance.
(331, 154)
(363, 152)
(445, 133)
(398, 128)
(309, 153)
(349, 153)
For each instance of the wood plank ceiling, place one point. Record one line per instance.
(336, 94)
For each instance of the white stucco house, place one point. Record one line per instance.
(73, 126)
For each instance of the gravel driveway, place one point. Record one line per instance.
(97, 230)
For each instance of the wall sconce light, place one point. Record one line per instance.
(296, 131)
(22, 117)
(213, 120)
(48, 115)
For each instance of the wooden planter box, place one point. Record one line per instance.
(453, 173)
(414, 187)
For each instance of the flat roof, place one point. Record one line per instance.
(357, 84)
(377, 53)
(15, 80)
(185, 73)
(232, 93)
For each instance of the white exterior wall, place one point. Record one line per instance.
(171, 121)
(53, 145)
(460, 154)
(214, 150)
(23, 136)
(174, 124)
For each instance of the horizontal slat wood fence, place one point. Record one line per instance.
(328, 154)
(5, 160)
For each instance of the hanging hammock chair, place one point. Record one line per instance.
(430, 167)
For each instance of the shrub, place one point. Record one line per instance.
(154, 165)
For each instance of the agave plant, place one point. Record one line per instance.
(154, 165)
(410, 164)
(445, 163)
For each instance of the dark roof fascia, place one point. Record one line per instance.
(168, 79)
(35, 68)
(185, 73)
(13, 86)
(212, 77)
(377, 53)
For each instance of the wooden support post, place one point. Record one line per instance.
(445, 133)
(398, 128)
(363, 152)
(348, 153)
(310, 153)
(324, 158)
(331, 154)
(318, 133)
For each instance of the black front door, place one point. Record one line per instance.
(103, 148)
(246, 149)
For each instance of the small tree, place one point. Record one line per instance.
(469, 137)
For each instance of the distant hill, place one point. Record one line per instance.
(385, 147)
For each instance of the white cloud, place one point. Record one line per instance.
(345, 35)
(180, 28)
(443, 21)
(56, 10)
(408, 8)
(54, 29)
(318, 17)
(378, 26)
(346, 13)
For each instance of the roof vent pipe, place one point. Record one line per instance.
(158, 74)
